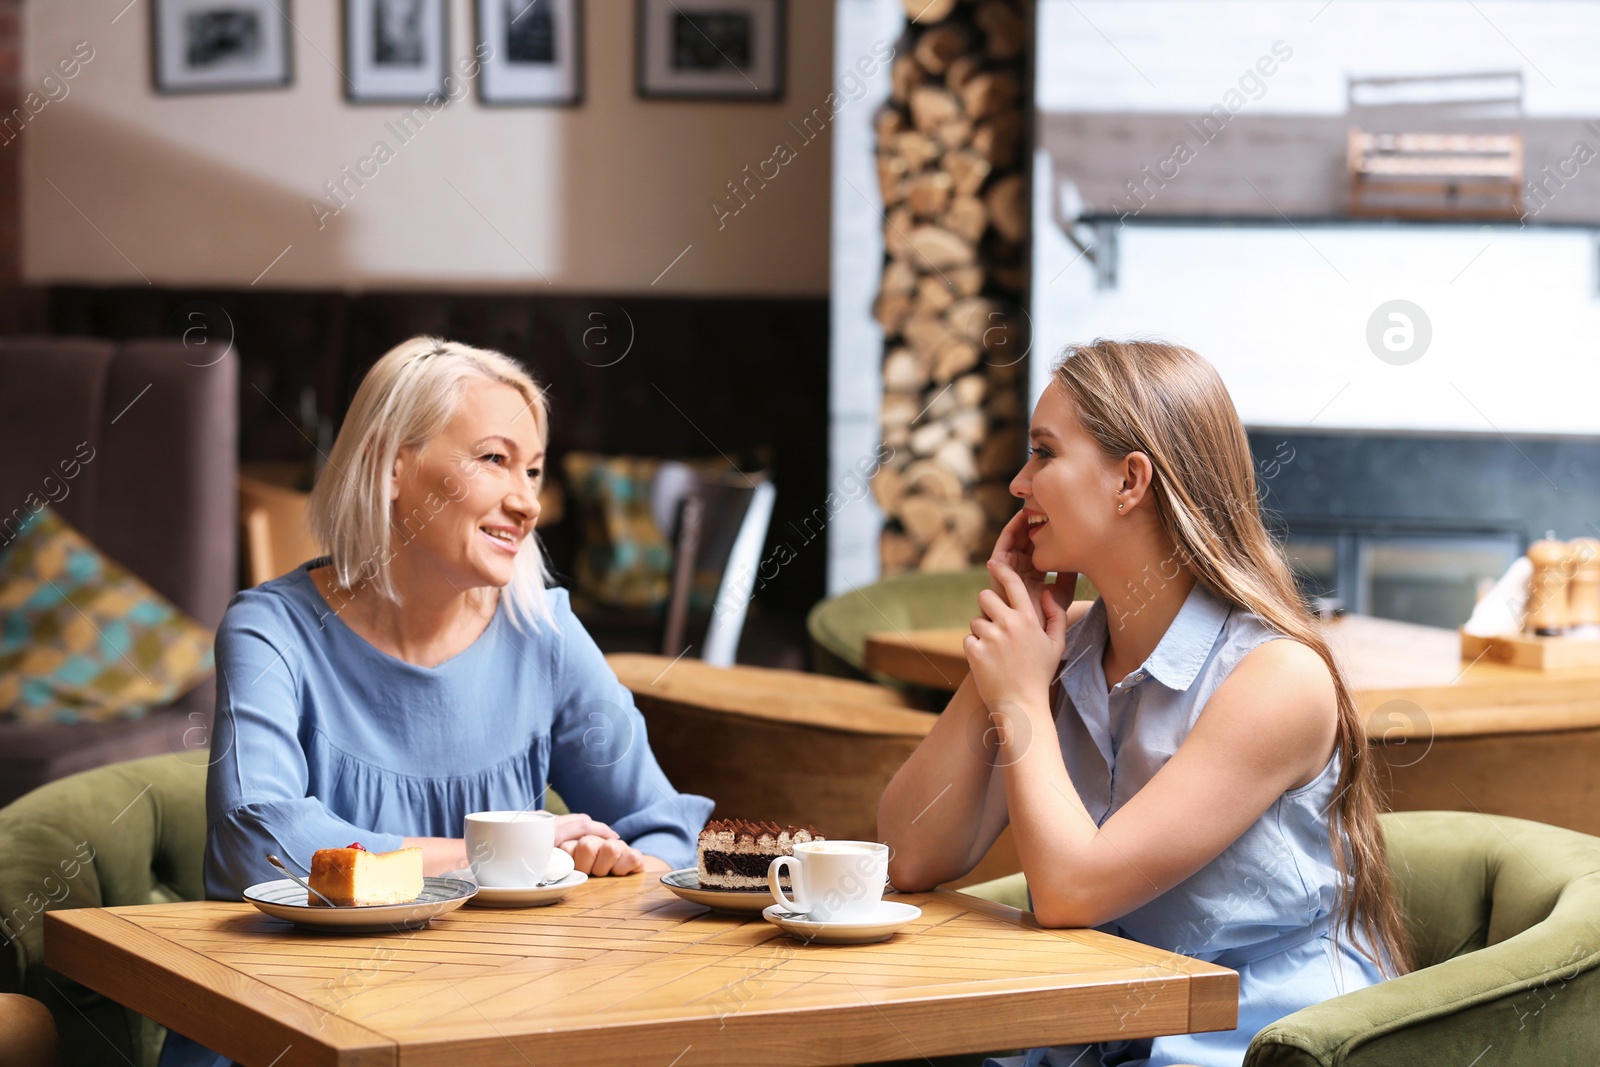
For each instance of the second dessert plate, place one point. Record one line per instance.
(686, 884)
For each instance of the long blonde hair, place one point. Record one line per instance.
(406, 398)
(1170, 404)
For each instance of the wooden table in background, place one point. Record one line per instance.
(1452, 734)
(623, 972)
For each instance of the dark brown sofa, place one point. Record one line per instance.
(158, 495)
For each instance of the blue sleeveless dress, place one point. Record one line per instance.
(1264, 906)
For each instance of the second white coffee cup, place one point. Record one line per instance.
(833, 881)
(509, 849)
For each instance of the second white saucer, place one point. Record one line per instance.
(890, 917)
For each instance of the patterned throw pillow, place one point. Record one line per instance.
(82, 639)
(624, 559)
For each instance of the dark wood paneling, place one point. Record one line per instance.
(747, 378)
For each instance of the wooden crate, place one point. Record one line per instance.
(1537, 653)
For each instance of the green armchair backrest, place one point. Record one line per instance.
(129, 833)
(928, 600)
(1505, 916)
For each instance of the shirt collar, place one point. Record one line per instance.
(1178, 656)
(1188, 642)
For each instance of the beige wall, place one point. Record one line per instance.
(121, 185)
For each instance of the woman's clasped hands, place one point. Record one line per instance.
(596, 848)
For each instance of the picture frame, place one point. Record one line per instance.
(711, 49)
(531, 52)
(395, 51)
(220, 45)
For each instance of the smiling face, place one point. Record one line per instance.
(1069, 488)
(466, 504)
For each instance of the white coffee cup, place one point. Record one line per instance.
(509, 849)
(833, 881)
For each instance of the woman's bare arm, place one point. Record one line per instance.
(945, 806)
(938, 809)
(1267, 729)
(440, 855)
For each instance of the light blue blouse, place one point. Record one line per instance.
(1264, 906)
(320, 739)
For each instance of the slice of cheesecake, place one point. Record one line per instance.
(355, 877)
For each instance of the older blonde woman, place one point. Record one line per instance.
(423, 670)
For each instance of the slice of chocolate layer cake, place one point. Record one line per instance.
(735, 853)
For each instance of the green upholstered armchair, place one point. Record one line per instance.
(1505, 917)
(129, 833)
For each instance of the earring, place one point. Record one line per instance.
(1119, 507)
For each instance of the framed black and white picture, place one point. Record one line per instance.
(211, 45)
(394, 50)
(711, 49)
(532, 51)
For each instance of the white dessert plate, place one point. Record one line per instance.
(533, 896)
(286, 899)
(686, 883)
(891, 916)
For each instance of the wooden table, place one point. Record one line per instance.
(1452, 734)
(623, 972)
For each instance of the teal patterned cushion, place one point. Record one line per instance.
(81, 638)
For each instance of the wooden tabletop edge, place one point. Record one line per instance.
(79, 935)
(1214, 1001)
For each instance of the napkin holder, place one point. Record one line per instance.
(1496, 630)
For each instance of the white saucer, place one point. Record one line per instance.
(286, 899)
(536, 896)
(891, 916)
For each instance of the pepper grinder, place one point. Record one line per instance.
(1548, 613)
(1583, 596)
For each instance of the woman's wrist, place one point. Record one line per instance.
(1016, 723)
(440, 855)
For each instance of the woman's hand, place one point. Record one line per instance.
(599, 856)
(578, 825)
(1014, 655)
(1014, 551)
(596, 848)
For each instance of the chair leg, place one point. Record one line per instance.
(684, 560)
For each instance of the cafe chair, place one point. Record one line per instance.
(273, 536)
(717, 525)
(1505, 920)
(669, 552)
(128, 833)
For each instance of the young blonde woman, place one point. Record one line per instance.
(1180, 761)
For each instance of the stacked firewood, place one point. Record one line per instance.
(952, 170)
